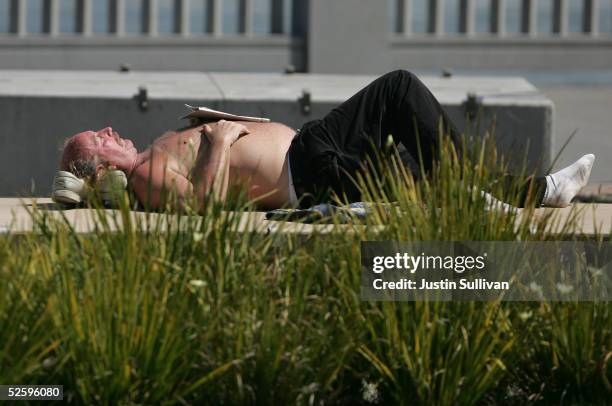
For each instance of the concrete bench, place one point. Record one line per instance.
(587, 219)
(40, 108)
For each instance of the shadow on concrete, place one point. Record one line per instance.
(54, 206)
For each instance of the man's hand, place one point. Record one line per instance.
(224, 131)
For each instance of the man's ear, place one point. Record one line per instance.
(101, 169)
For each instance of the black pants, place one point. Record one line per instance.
(326, 154)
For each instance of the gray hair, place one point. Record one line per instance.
(78, 161)
(84, 169)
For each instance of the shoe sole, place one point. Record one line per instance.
(66, 196)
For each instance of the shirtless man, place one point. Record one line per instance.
(279, 167)
(203, 159)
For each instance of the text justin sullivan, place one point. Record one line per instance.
(445, 284)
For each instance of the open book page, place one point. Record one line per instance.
(205, 113)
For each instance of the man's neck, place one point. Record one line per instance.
(141, 158)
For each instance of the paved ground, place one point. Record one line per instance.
(587, 108)
(14, 217)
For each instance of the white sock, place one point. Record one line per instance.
(562, 186)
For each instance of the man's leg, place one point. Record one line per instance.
(397, 104)
(519, 190)
(554, 190)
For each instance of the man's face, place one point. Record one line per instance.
(110, 147)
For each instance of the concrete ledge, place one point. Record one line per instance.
(591, 220)
(41, 108)
(15, 218)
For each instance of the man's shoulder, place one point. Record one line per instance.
(159, 163)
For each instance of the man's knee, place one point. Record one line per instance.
(399, 75)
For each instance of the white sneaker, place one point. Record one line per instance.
(111, 186)
(68, 189)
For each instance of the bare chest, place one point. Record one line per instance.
(263, 144)
(180, 147)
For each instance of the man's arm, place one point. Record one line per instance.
(154, 182)
(210, 173)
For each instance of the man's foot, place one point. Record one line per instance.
(562, 186)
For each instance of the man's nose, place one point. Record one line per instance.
(106, 131)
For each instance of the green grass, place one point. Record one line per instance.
(201, 313)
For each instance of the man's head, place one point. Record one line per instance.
(88, 153)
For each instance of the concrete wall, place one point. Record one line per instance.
(238, 54)
(41, 108)
(347, 36)
(373, 54)
(501, 53)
